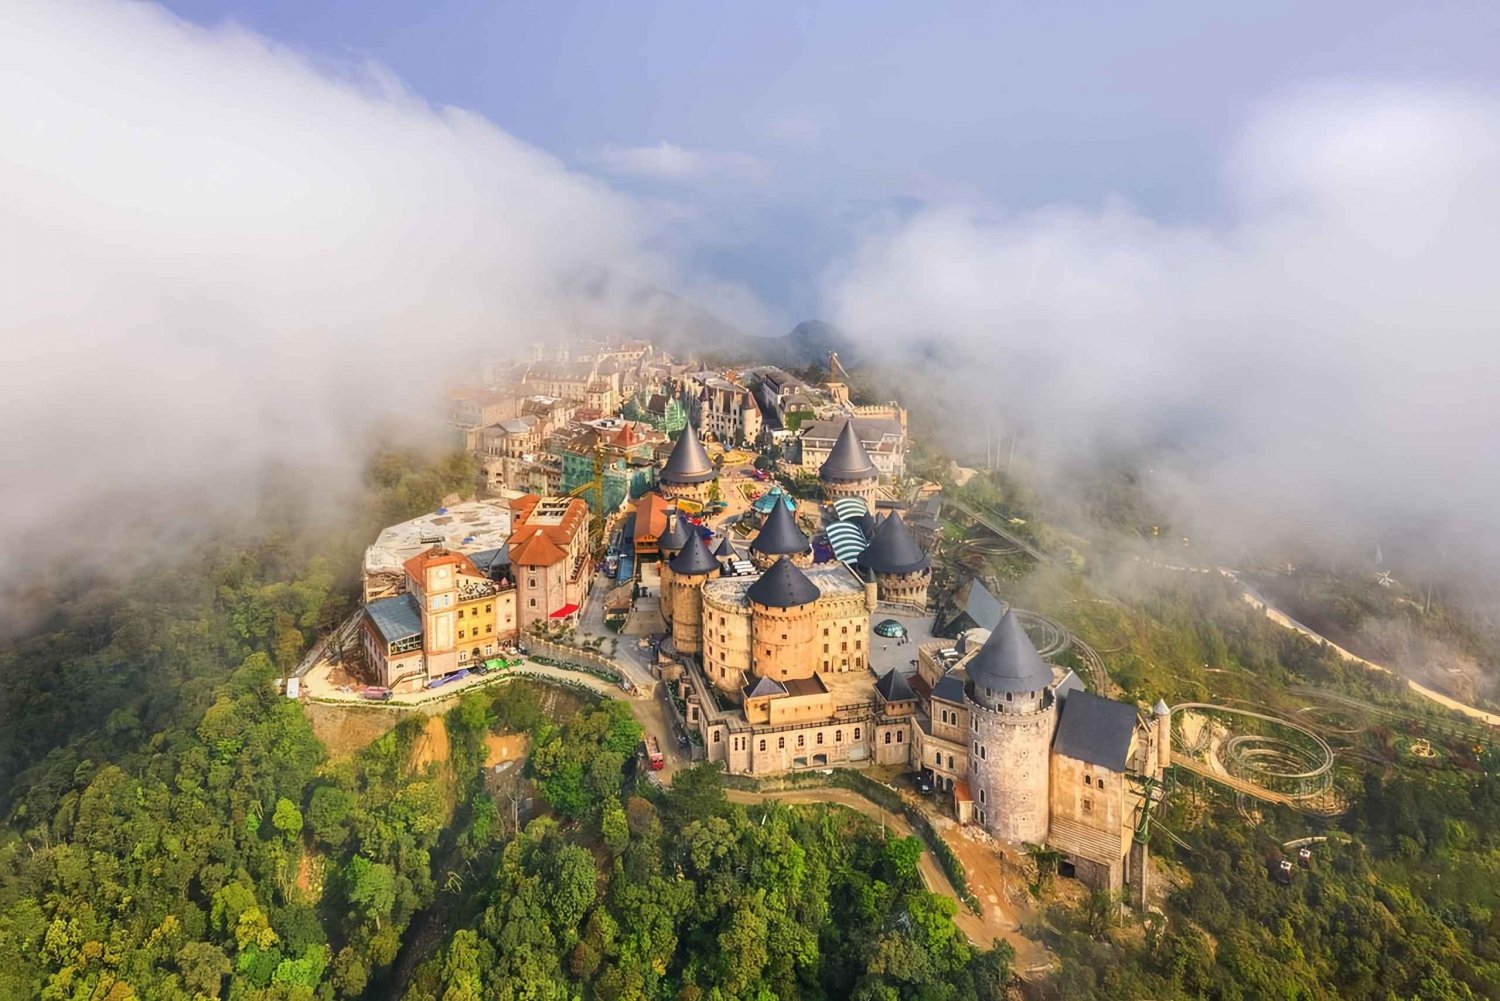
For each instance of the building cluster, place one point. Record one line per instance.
(447, 591)
(571, 417)
(771, 653)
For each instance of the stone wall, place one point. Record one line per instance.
(1010, 774)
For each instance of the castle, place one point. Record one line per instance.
(774, 668)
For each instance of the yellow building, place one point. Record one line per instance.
(451, 615)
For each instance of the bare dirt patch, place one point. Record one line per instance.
(431, 746)
(500, 747)
(345, 730)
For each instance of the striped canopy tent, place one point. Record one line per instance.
(847, 540)
(848, 508)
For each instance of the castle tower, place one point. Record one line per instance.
(784, 625)
(1163, 717)
(848, 471)
(688, 472)
(671, 543)
(902, 571)
(1014, 716)
(779, 537)
(683, 580)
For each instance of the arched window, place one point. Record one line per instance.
(900, 736)
(888, 736)
(838, 736)
(856, 733)
(718, 735)
(762, 745)
(780, 743)
(820, 737)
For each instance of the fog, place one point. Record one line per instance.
(221, 255)
(1322, 361)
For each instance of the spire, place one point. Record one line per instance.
(779, 536)
(783, 586)
(848, 459)
(1008, 662)
(694, 558)
(676, 535)
(892, 548)
(1161, 708)
(689, 462)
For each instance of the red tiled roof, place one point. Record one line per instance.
(438, 556)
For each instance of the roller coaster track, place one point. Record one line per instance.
(991, 522)
(1297, 773)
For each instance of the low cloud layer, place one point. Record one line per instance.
(220, 254)
(669, 162)
(1325, 359)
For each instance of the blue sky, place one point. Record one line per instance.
(792, 127)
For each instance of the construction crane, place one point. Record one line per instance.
(594, 486)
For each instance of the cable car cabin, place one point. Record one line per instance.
(1284, 872)
(1304, 857)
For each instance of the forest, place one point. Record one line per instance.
(174, 829)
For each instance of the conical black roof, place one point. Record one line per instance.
(848, 460)
(677, 534)
(1008, 662)
(689, 462)
(726, 550)
(694, 558)
(779, 536)
(893, 550)
(892, 687)
(783, 586)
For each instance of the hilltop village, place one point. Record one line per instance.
(753, 538)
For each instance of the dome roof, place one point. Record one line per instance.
(893, 550)
(694, 558)
(676, 535)
(1008, 662)
(779, 536)
(689, 462)
(783, 586)
(848, 460)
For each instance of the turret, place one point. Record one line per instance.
(848, 471)
(688, 471)
(1163, 718)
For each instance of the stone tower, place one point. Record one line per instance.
(681, 591)
(784, 625)
(1014, 715)
(902, 571)
(848, 471)
(1163, 718)
(688, 472)
(779, 537)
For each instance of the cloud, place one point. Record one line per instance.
(221, 256)
(1325, 359)
(669, 162)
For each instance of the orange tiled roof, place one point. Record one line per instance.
(541, 545)
(651, 516)
(438, 556)
(535, 548)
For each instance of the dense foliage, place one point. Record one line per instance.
(684, 895)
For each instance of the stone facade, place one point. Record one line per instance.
(1009, 773)
(904, 588)
(699, 492)
(866, 489)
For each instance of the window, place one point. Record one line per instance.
(489, 627)
(531, 582)
(717, 736)
(1099, 783)
(838, 736)
(825, 647)
(984, 752)
(783, 635)
(976, 747)
(1088, 806)
(460, 613)
(856, 644)
(856, 733)
(762, 745)
(801, 740)
(846, 630)
(1087, 781)
(900, 736)
(846, 646)
(974, 767)
(888, 736)
(460, 634)
(820, 737)
(1009, 697)
(981, 795)
(489, 608)
(950, 761)
(937, 757)
(533, 602)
